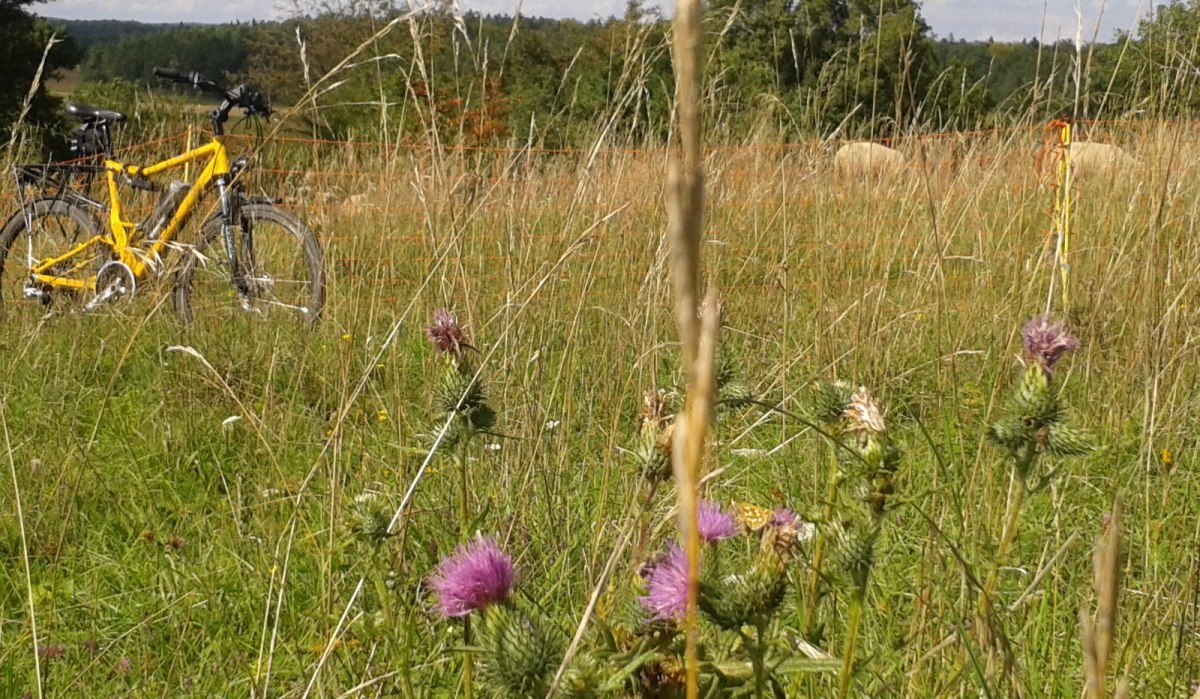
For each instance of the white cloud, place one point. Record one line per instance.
(227, 10)
(1023, 19)
(160, 10)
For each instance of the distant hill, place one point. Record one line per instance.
(128, 50)
(90, 32)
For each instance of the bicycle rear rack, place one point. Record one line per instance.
(53, 181)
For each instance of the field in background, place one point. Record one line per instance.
(64, 82)
(174, 550)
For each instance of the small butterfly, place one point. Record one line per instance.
(752, 517)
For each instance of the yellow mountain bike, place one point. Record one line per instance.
(250, 254)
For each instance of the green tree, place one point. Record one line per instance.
(865, 62)
(768, 54)
(23, 40)
(1158, 74)
(882, 71)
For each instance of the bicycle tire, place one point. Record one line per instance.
(203, 283)
(38, 214)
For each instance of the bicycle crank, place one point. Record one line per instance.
(113, 281)
(33, 290)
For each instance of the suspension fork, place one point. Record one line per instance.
(230, 196)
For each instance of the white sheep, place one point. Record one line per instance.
(1090, 160)
(863, 159)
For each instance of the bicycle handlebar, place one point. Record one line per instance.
(242, 96)
(171, 74)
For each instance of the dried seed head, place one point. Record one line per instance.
(446, 334)
(654, 408)
(665, 440)
(864, 413)
(1046, 342)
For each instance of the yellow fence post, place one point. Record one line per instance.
(1062, 208)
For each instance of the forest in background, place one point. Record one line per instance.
(778, 70)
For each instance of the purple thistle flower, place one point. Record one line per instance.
(477, 575)
(783, 517)
(715, 525)
(666, 586)
(445, 333)
(1046, 342)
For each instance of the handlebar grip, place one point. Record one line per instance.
(193, 79)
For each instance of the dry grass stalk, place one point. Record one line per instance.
(33, 90)
(685, 188)
(1097, 635)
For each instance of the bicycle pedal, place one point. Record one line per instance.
(31, 291)
(247, 306)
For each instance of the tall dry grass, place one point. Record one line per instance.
(558, 264)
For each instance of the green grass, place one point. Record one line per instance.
(915, 288)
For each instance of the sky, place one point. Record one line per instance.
(967, 19)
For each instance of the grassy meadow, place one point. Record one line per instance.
(192, 523)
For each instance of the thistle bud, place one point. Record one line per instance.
(518, 658)
(873, 452)
(458, 390)
(653, 411)
(372, 517)
(829, 399)
(1011, 433)
(735, 394)
(1062, 440)
(1035, 401)
(855, 554)
(581, 680)
(654, 450)
(751, 596)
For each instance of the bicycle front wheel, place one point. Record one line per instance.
(46, 229)
(278, 272)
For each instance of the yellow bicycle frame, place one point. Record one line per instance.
(119, 233)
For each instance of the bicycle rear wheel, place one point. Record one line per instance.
(280, 272)
(46, 228)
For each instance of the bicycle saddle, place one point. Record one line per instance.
(88, 113)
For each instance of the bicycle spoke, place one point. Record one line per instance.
(279, 271)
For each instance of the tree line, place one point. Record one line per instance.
(777, 69)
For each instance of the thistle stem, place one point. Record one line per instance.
(983, 610)
(760, 678)
(1016, 498)
(406, 686)
(464, 508)
(468, 663)
(814, 581)
(856, 609)
(464, 526)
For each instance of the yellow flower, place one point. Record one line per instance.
(1167, 457)
(383, 415)
(346, 337)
